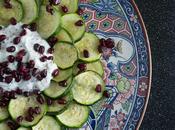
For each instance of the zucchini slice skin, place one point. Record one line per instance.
(68, 23)
(84, 88)
(19, 106)
(45, 29)
(47, 123)
(91, 47)
(65, 56)
(23, 128)
(74, 116)
(3, 113)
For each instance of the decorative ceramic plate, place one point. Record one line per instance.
(127, 66)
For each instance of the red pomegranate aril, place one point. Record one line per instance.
(55, 72)
(19, 58)
(109, 43)
(43, 73)
(64, 9)
(22, 52)
(36, 92)
(6, 94)
(2, 38)
(25, 26)
(50, 58)
(23, 33)
(63, 83)
(52, 41)
(19, 119)
(34, 72)
(80, 11)
(40, 99)
(11, 58)
(49, 9)
(79, 23)
(18, 91)
(3, 104)
(7, 5)
(1, 91)
(11, 49)
(106, 94)
(29, 118)
(26, 94)
(39, 77)
(102, 42)
(16, 40)
(100, 49)
(41, 49)
(82, 66)
(8, 79)
(12, 95)
(13, 21)
(4, 64)
(36, 47)
(43, 58)
(33, 26)
(86, 53)
(31, 64)
(27, 77)
(11, 125)
(18, 78)
(30, 111)
(37, 110)
(98, 88)
(61, 101)
(49, 101)
(7, 70)
(50, 50)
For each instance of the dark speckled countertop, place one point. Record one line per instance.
(159, 18)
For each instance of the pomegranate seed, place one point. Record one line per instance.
(52, 41)
(19, 58)
(11, 125)
(30, 111)
(106, 94)
(31, 64)
(49, 101)
(39, 77)
(10, 49)
(64, 9)
(79, 23)
(55, 72)
(7, 71)
(19, 119)
(8, 79)
(27, 77)
(22, 52)
(36, 47)
(61, 101)
(25, 26)
(16, 40)
(49, 9)
(11, 58)
(1, 91)
(12, 95)
(26, 94)
(109, 43)
(37, 110)
(82, 66)
(43, 73)
(86, 53)
(7, 5)
(23, 33)
(36, 92)
(41, 49)
(50, 50)
(102, 42)
(50, 58)
(33, 26)
(29, 118)
(6, 94)
(43, 58)
(80, 11)
(34, 72)
(2, 38)
(40, 99)
(54, 2)
(100, 49)
(13, 21)
(98, 88)
(4, 64)
(18, 91)
(63, 83)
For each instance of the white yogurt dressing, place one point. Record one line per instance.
(27, 42)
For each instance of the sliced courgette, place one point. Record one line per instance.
(47, 22)
(3, 113)
(30, 11)
(84, 88)
(93, 66)
(55, 90)
(75, 116)
(64, 36)
(47, 123)
(63, 74)
(23, 128)
(68, 22)
(19, 107)
(4, 126)
(6, 14)
(65, 55)
(57, 108)
(90, 43)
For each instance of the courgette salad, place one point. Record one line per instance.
(77, 53)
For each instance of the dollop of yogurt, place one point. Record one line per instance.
(27, 43)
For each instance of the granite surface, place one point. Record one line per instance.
(159, 18)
